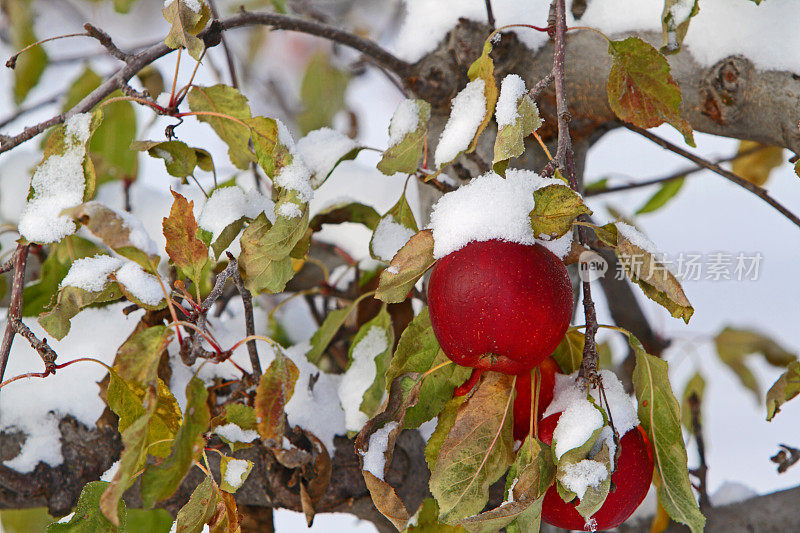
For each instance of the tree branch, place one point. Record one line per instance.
(15, 307)
(727, 174)
(211, 36)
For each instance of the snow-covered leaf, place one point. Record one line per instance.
(275, 389)
(109, 145)
(555, 210)
(418, 351)
(70, 301)
(322, 150)
(477, 450)
(757, 165)
(271, 152)
(160, 481)
(234, 473)
(120, 231)
(663, 195)
(406, 267)
(186, 18)
(394, 229)
(179, 158)
(188, 253)
(641, 89)
(659, 414)
(784, 389)
(675, 22)
(483, 68)
(361, 388)
(228, 101)
(517, 117)
(407, 131)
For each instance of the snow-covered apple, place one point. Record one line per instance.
(630, 483)
(501, 306)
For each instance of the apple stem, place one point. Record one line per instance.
(565, 161)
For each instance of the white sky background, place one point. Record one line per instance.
(708, 215)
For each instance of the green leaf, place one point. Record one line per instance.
(444, 422)
(25, 520)
(652, 276)
(569, 352)
(477, 450)
(134, 454)
(179, 158)
(38, 296)
(185, 24)
(275, 389)
(675, 22)
(230, 480)
(373, 396)
(663, 195)
(187, 252)
(31, 64)
(555, 210)
(87, 517)
(137, 360)
(118, 230)
(695, 386)
(403, 156)
(346, 212)
(419, 351)
(228, 101)
(510, 141)
(200, 509)
(265, 259)
(659, 414)
(160, 481)
(428, 520)
(640, 88)
(408, 265)
(483, 68)
(734, 345)
(757, 165)
(321, 92)
(324, 335)
(150, 520)
(152, 80)
(127, 398)
(784, 389)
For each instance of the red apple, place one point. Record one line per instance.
(631, 481)
(522, 403)
(501, 306)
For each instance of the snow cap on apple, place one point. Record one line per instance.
(499, 297)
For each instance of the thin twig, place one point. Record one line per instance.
(489, 14)
(541, 86)
(228, 55)
(565, 160)
(212, 297)
(15, 306)
(25, 110)
(105, 41)
(211, 36)
(701, 472)
(730, 176)
(249, 323)
(675, 175)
